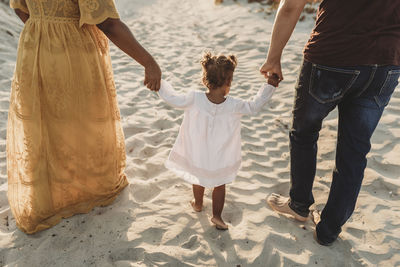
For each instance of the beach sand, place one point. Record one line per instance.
(151, 223)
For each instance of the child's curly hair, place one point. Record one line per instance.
(217, 70)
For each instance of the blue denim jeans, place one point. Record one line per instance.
(361, 93)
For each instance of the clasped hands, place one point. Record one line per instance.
(271, 71)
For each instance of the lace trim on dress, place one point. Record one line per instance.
(96, 11)
(192, 179)
(54, 19)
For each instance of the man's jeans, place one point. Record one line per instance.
(361, 94)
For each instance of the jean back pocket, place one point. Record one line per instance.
(329, 84)
(386, 91)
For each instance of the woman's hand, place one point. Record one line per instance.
(152, 76)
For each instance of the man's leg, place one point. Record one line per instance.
(308, 115)
(358, 118)
(303, 155)
(357, 123)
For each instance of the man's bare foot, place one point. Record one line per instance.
(281, 204)
(219, 223)
(195, 207)
(316, 216)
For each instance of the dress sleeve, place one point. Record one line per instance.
(96, 11)
(19, 4)
(254, 106)
(168, 94)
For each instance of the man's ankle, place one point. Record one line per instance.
(299, 208)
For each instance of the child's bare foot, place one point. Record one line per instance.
(196, 208)
(219, 223)
(281, 204)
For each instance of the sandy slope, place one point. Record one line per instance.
(151, 223)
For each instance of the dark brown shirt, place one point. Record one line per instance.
(355, 32)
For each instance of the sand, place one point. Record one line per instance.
(151, 223)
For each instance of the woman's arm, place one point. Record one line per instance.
(288, 14)
(22, 15)
(122, 37)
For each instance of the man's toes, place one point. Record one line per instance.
(271, 201)
(274, 200)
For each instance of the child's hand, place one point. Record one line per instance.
(273, 79)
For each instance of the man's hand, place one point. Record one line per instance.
(272, 70)
(152, 76)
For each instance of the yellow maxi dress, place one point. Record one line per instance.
(65, 144)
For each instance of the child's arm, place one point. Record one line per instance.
(254, 106)
(168, 94)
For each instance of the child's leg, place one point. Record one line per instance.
(218, 200)
(198, 193)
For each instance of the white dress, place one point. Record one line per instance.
(207, 151)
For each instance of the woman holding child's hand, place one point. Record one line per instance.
(65, 144)
(122, 37)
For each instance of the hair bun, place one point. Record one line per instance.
(207, 59)
(217, 69)
(233, 59)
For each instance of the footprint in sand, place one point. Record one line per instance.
(191, 243)
(127, 254)
(145, 192)
(5, 220)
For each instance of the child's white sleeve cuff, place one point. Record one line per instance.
(169, 95)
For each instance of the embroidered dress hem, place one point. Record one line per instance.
(32, 227)
(199, 176)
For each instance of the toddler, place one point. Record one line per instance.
(207, 152)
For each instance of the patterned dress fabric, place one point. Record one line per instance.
(65, 144)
